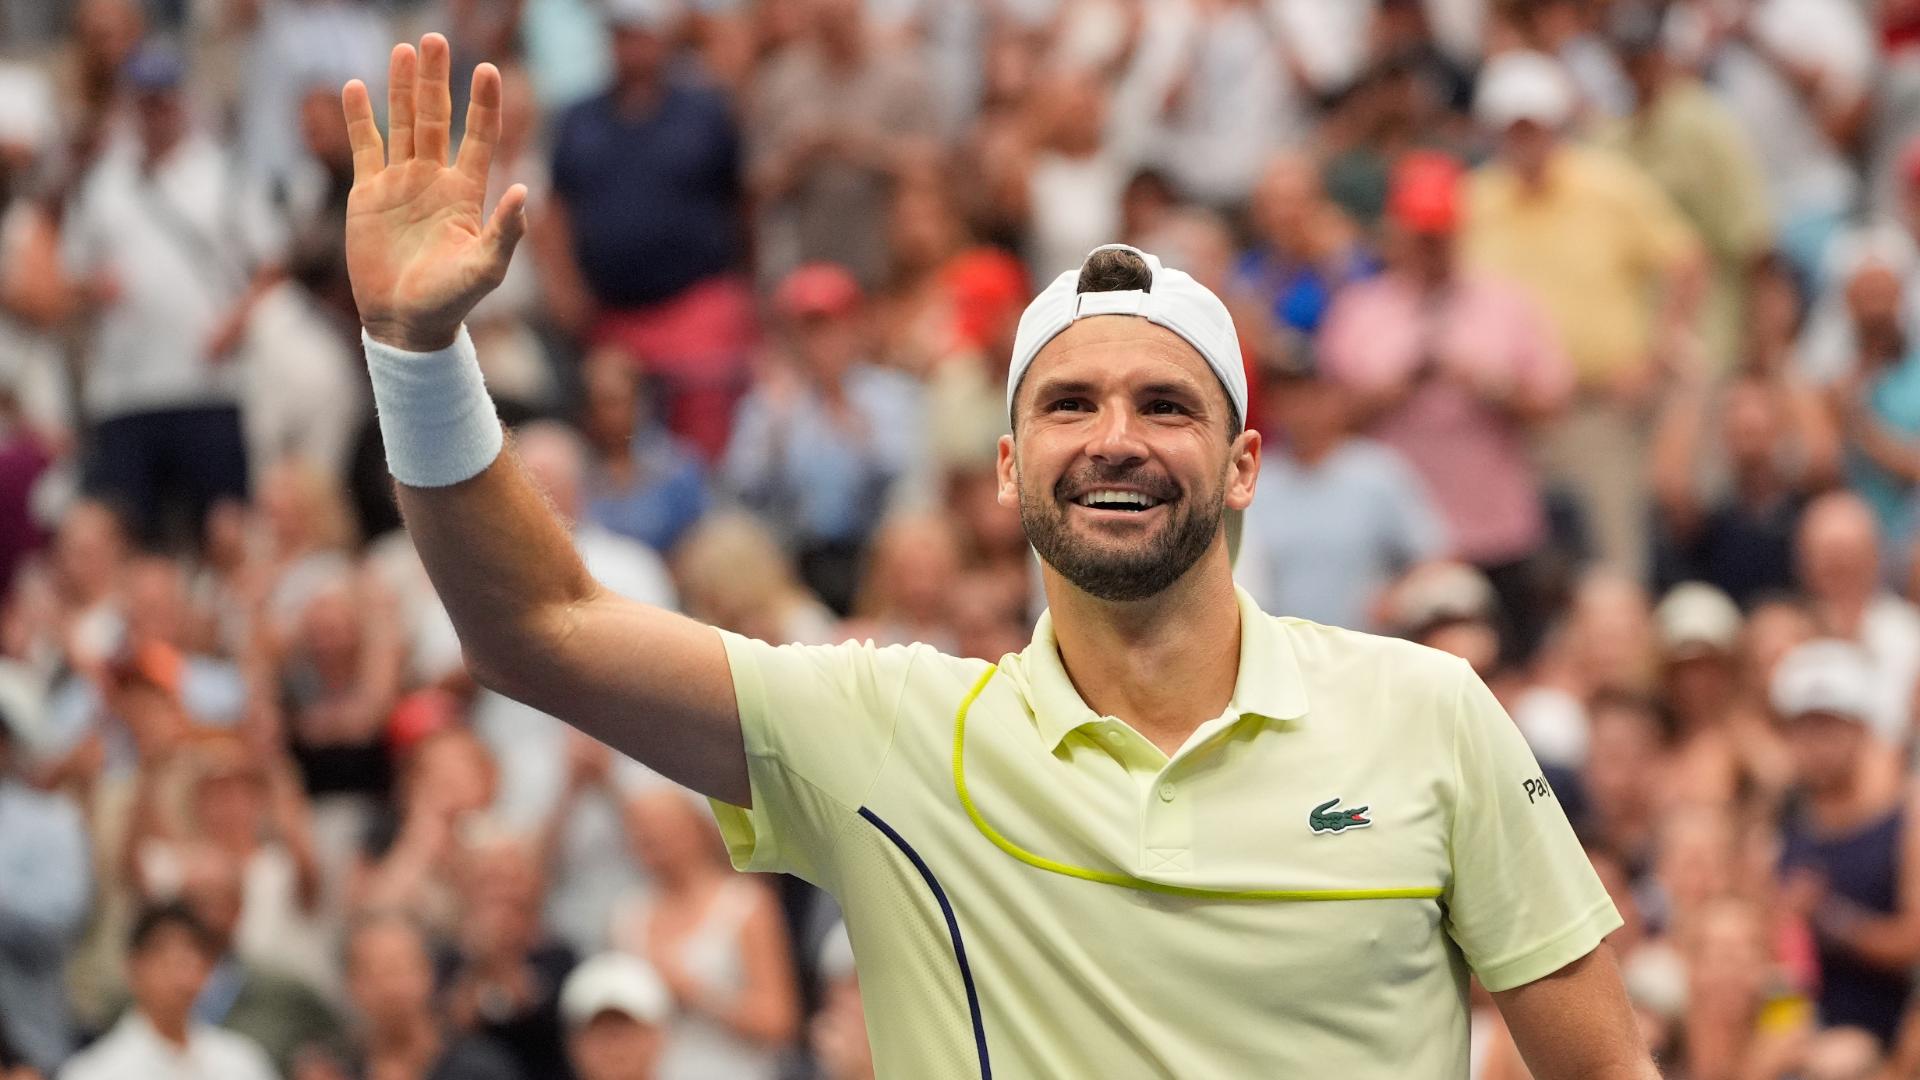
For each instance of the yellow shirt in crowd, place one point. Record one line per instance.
(1591, 245)
(1034, 890)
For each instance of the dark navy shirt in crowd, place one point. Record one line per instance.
(1864, 867)
(654, 197)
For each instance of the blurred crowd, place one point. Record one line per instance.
(1583, 341)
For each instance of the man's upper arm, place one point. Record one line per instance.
(1522, 901)
(1576, 1023)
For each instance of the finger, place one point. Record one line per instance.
(363, 132)
(506, 227)
(483, 124)
(401, 73)
(433, 100)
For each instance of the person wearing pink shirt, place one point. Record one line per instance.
(1452, 369)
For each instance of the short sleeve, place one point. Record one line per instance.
(1522, 901)
(818, 721)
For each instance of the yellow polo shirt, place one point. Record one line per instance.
(1590, 246)
(1036, 891)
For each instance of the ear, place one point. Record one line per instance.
(1005, 468)
(1243, 468)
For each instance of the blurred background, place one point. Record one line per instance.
(1581, 336)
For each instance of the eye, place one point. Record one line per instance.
(1163, 407)
(1068, 405)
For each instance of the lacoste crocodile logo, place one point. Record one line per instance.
(1325, 818)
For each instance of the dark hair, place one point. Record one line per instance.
(170, 913)
(1122, 270)
(1114, 270)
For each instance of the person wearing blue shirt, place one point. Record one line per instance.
(642, 482)
(47, 890)
(820, 449)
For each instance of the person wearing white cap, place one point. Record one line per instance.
(1851, 861)
(616, 1009)
(1175, 835)
(1593, 238)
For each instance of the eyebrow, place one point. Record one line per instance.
(1054, 387)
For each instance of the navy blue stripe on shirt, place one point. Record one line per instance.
(953, 930)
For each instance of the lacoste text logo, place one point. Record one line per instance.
(1325, 818)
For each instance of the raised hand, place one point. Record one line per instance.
(419, 251)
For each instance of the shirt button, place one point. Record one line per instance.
(1166, 792)
(1115, 737)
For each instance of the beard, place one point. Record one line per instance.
(1118, 571)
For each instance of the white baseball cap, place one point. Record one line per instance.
(1523, 85)
(615, 981)
(27, 114)
(1172, 299)
(1694, 617)
(1826, 675)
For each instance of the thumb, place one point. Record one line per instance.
(506, 227)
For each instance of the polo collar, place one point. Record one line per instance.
(1268, 683)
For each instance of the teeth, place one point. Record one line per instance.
(1117, 498)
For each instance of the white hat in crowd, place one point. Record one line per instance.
(1695, 618)
(617, 982)
(1523, 85)
(1824, 676)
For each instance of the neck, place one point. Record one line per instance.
(638, 96)
(1166, 664)
(412, 1037)
(171, 1028)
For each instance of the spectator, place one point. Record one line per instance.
(410, 860)
(1878, 402)
(1336, 517)
(1796, 74)
(906, 590)
(831, 115)
(178, 248)
(1455, 370)
(505, 983)
(286, 1016)
(1592, 237)
(642, 246)
(1306, 249)
(1838, 554)
(616, 1009)
(717, 941)
(170, 956)
(1451, 607)
(1729, 508)
(1723, 749)
(733, 573)
(820, 446)
(1850, 868)
(390, 982)
(44, 852)
(1692, 145)
(643, 483)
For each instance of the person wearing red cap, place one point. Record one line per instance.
(821, 440)
(1453, 368)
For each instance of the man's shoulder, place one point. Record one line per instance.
(1340, 657)
(234, 1056)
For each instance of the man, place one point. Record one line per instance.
(1837, 550)
(821, 446)
(616, 1008)
(1456, 370)
(1596, 242)
(505, 982)
(1691, 145)
(1279, 865)
(390, 982)
(44, 862)
(171, 956)
(645, 245)
(1852, 856)
(176, 249)
(1338, 517)
(288, 1018)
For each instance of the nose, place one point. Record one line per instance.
(1119, 438)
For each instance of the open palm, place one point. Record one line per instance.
(419, 252)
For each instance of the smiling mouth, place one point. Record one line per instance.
(1126, 502)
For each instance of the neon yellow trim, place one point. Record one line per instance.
(1127, 881)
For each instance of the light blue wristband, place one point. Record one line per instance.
(436, 419)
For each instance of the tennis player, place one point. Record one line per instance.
(1175, 836)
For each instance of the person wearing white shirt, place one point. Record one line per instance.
(170, 958)
(175, 250)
